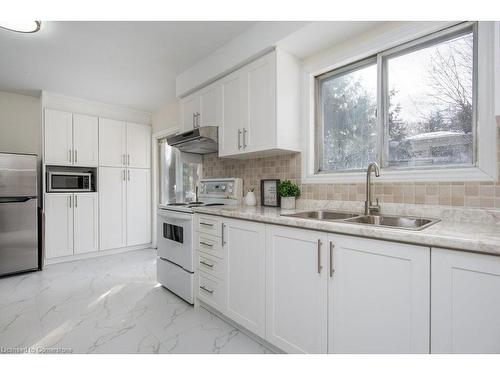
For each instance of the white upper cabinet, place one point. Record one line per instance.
(85, 140)
(138, 145)
(296, 289)
(465, 306)
(266, 105)
(202, 108)
(112, 143)
(86, 223)
(138, 206)
(378, 296)
(58, 148)
(70, 139)
(245, 295)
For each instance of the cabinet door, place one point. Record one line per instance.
(138, 145)
(260, 129)
(465, 303)
(58, 225)
(230, 135)
(112, 143)
(296, 278)
(138, 207)
(379, 297)
(190, 107)
(211, 105)
(245, 294)
(58, 148)
(85, 140)
(112, 208)
(85, 216)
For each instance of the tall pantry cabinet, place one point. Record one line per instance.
(124, 184)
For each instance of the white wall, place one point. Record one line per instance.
(20, 123)
(167, 117)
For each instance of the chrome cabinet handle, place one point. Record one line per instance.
(69, 201)
(197, 120)
(239, 136)
(320, 267)
(222, 237)
(124, 159)
(76, 201)
(206, 244)
(206, 224)
(331, 259)
(70, 154)
(76, 156)
(128, 159)
(206, 290)
(128, 174)
(244, 138)
(206, 264)
(123, 175)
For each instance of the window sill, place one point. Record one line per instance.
(421, 175)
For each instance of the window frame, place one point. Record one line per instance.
(389, 40)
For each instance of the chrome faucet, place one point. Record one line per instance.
(371, 208)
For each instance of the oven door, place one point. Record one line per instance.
(175, 238)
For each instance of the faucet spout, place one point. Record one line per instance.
(371, 208)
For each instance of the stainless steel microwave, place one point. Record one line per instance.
(69, 181)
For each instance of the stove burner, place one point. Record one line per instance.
(177, 204)
(214, 204)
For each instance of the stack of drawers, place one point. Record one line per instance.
(210, 261)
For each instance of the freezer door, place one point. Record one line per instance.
(18, 174)
(18, 235)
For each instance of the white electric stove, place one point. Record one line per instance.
(175, 262)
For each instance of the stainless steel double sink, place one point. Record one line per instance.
(398, 222)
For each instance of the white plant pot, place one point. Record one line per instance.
(288, 203)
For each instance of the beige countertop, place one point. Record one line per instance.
(483, 238)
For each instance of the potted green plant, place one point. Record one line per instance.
(288, 191)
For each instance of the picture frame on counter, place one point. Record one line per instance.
(269, 196)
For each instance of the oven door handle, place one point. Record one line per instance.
(175, 216)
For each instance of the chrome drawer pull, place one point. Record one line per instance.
(331, 259)
(319, 256)
(206, 224)
(206, 290)
(206, 264)
(206, 244)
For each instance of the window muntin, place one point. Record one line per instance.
(347, 109)
(423, 124)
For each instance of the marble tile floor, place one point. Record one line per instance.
(110, 304)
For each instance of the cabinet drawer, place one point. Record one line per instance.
(211, 265)
(209, 244)
(211, 291)
(209, 224)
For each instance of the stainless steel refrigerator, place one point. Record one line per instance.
(18, 213)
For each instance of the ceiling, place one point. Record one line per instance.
(133, 64)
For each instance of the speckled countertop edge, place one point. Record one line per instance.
(481, 238)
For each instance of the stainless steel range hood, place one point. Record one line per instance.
(202, 140)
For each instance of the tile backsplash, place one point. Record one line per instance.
(456, 194)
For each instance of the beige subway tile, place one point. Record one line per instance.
(388, 189)
(486, 202)
(420, 199)
(458, 190)
(432, 199)
(458, 201)
(432, 189)
(472, 202)
(486, 191)
(472, 189)
(444, 200)
(444, 191)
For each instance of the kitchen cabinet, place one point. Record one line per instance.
(245, 274)
(260, 102)
(465, 306)
(378, 296)
(202, 108)
(85, 140)
(138, 206)
(71, 223)
(296, 289)
(70, 139)
(58, 225)
(112, 143)
(124, 144)
(113, 208)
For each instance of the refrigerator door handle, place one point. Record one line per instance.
(15, 199)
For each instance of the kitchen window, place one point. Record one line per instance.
(411, 107)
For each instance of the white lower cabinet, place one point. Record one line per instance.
(296, 290)
(245, 274)
(465, 302)
(378, 297)
(71, 224)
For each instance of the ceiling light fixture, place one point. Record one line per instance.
(25, 27)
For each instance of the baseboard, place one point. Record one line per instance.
(95, 254)
(229, 321)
